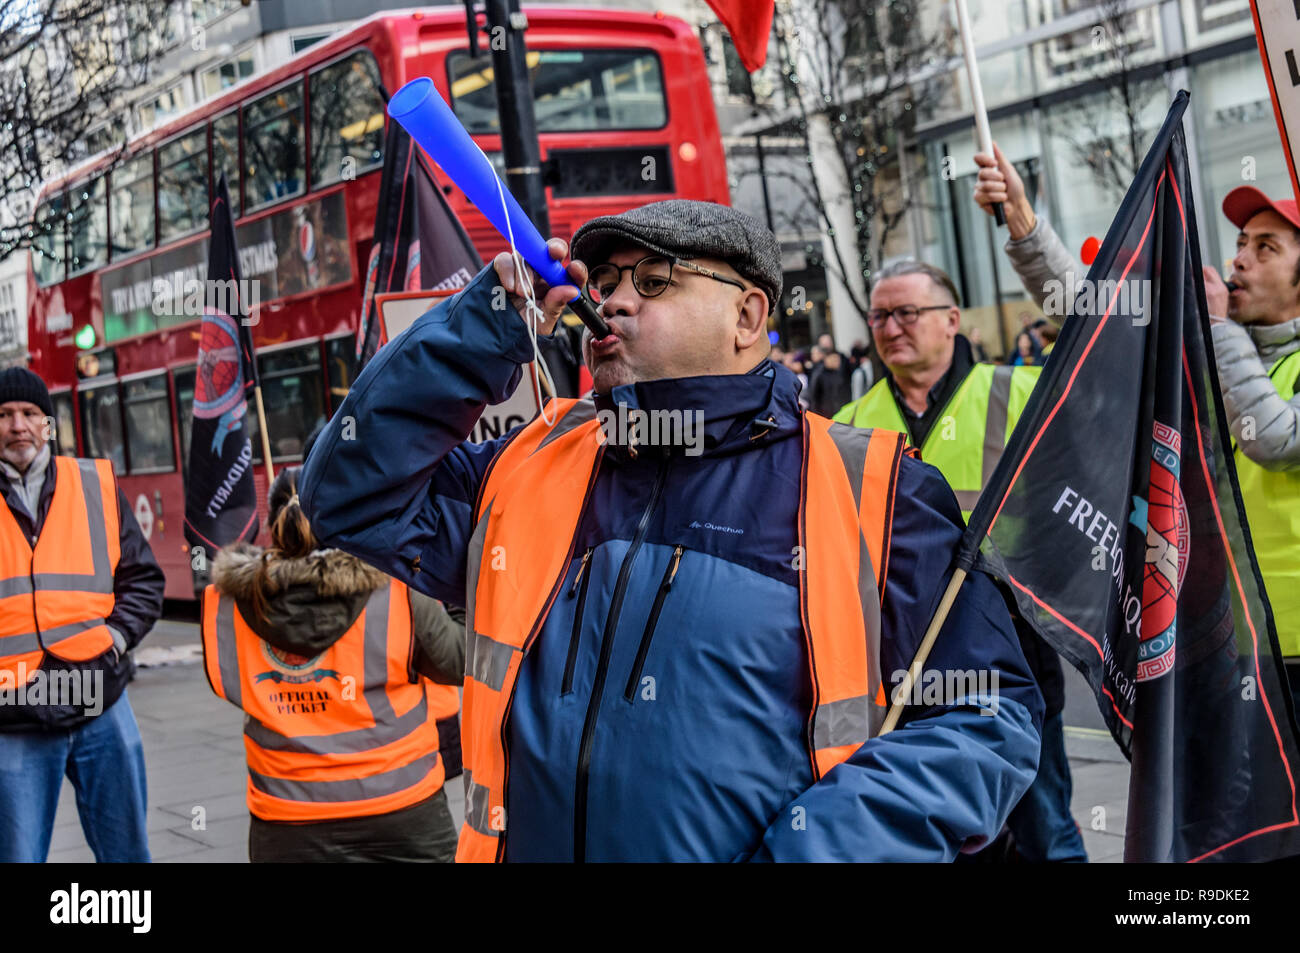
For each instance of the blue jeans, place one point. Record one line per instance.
(104, 759)
(1041, 823)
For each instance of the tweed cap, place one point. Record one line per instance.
(685, 228)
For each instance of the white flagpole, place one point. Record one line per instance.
(976, 93)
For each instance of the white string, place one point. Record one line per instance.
(532, 313)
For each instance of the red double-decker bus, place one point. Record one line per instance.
(625, 116)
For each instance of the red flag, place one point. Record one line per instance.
(750, 24)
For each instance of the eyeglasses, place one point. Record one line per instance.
(651, 276)
(905, 316)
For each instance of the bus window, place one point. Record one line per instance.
(87, 226)
(183, 185)
(65, 430)
(101, 424)
(574, 90)
(341, 367)
(273, 149)
(293, 396)
(347, 119)
(133, 206)
(47, 243)
(149, 425)
(184, 381)
(225, 156)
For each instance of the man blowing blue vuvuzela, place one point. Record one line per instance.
(679, 649)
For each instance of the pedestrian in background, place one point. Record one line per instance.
(959, 413)
(334, 664)
(81, 588)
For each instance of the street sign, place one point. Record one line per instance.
(1277, 28)
(398, 312)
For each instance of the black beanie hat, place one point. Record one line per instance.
(18, 383)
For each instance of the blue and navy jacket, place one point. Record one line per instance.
(686, 737)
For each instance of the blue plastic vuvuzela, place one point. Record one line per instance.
(430, 121)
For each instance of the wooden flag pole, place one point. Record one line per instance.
(922, 652)
(977, 94)
(266, 438)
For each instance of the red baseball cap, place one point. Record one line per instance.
(1245, 202)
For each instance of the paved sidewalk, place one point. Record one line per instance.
(194, 754)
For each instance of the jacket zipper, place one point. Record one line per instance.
(602, 668)
(566, 686)
(670, 573)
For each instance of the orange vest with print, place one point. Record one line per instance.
(350, 733)
(55, 595)
(844, 518)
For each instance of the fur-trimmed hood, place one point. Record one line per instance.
(311, 601)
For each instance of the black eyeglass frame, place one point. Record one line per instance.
(878, 317)
(673, 262)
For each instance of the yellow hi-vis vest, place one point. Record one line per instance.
(1272, 500)
(967, 440)
(56, 595)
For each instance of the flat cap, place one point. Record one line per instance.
(685, 228)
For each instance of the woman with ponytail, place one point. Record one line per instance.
(345, 679)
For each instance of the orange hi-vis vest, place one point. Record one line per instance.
(844, 523)
(349, 733)
(56, 595)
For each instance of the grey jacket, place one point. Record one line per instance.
(1266, 427)
(1047, 270)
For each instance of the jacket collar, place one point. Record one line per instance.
(35, 470)
(693, 416)
(1275, 341)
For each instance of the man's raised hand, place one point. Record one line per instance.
(550, 300)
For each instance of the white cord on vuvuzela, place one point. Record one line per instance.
(533, 314)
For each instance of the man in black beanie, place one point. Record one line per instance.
(79, 586)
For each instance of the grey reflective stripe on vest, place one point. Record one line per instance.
(18, 644)
(228, 651)
(376, 659)
(388, 727)
(347, 789)
(995, 433)
(854, 720)
(478, 807)
(845, 722)
(579, 414)
(343, 742)
(15, 586)
(487, 660)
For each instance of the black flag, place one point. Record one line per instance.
(1115, 518)
(220, 500)
(419, 242)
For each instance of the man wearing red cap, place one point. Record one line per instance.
(1257, 349)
